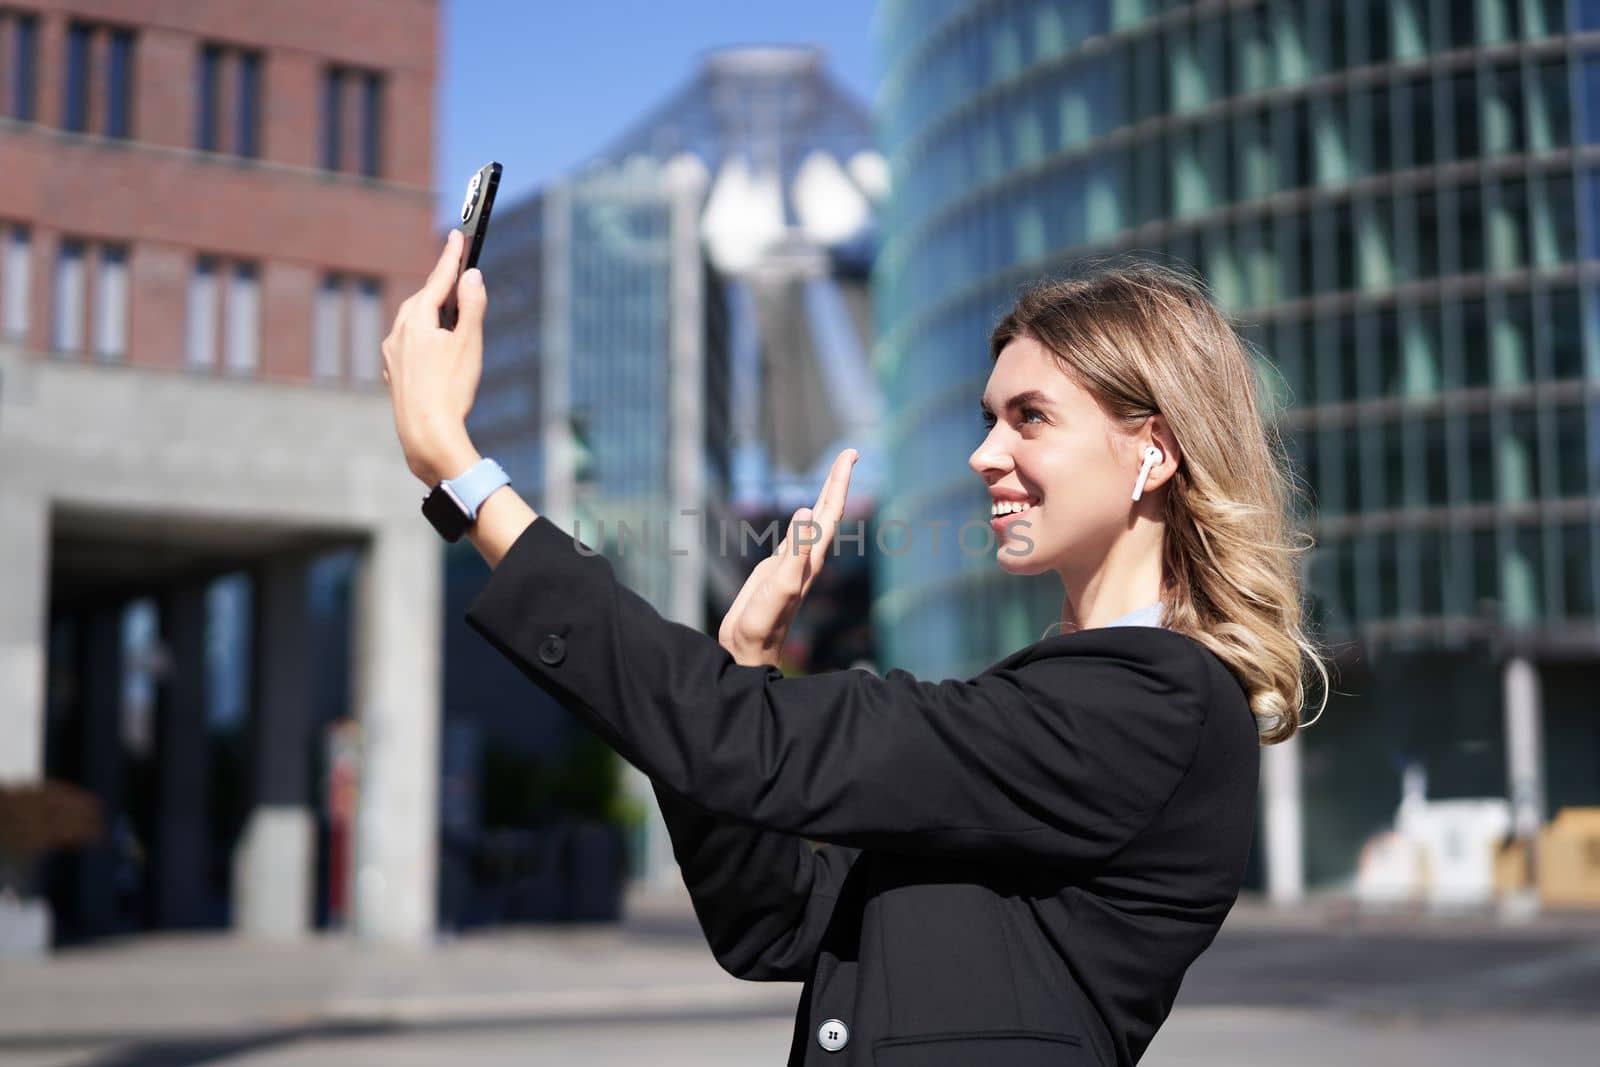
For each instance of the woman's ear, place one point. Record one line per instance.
(1161, 436)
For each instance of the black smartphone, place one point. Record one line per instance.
(475, 208)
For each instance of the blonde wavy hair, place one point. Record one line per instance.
(1145, 339)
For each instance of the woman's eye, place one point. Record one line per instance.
(1029, 413)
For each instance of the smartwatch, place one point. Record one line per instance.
(453, 505)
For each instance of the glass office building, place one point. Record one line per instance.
(1397, 201)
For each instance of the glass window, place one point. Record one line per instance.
(24, 67)
(1464, 106)
(1425, 252)
(1408, 28)
(1293, 61)
(1416, 97)
(202, 320)
(1498, 21)
(1588, 14)
(1469, 229)
(1391, 444)
(1256, 172)
(1378, 147)
(371, 124)
(1574, 453)
(1546, 17)
(111, 304)
(1481, 458)
(1292, 134)
(66, 333)
(1375, 244)
(1508, 227)
(1511, 340)
(1436, 462)
(1566, 335)
(16, 275)
(1555, 221)
(1332, 141)
(75, 106)
(247, 106)
(1577, 570)
(1485, 565)
(327, 329)
(208, 79)
(1379, 28)
(243, 325)
(366, 332)
(1252, 52)
(1522, 575)
(1421, 371)
(119, 85)
(1549, 110)
(1474, 342)
(1503, 126)
(332, 118)
(1461, 24)
(1430, 572)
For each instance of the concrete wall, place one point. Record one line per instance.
(130, 444)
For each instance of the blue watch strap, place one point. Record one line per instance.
(474, 487)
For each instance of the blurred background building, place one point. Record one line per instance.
(680, 325)
(208, 214)
(1397, 200)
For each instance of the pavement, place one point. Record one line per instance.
(1313, 984)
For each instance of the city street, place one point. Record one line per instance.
(1308, 987)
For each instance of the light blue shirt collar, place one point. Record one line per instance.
(1150, 615)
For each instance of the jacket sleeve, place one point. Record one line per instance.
(1064, 757)
(763, 898)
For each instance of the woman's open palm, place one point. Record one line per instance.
(756, 626)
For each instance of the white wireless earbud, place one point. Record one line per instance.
(1152, 456)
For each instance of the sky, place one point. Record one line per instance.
(540, 85)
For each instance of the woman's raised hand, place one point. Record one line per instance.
(757, 624)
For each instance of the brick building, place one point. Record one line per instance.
(208, 215)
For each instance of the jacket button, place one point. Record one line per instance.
(552, 650)
(833, 1035)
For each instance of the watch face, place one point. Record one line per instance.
(444, 511)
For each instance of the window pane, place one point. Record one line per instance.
(243, 352)
(1549, 111)
(16, 273)
(207, 82)
(1555, 220)
(1436, 462)
(66, 334)
(75, 108)
(1517, 458)
(332, 117)
(1511, 341)
(24, 68)
(247, 104)
(366, 332)
(1481, 456)
(1577, 570)
(119, 85)
(372, 125)
(201, 322)
(1574, 452)
(1566, 335)
(327, 332)
(1474, 342)
(111, 304)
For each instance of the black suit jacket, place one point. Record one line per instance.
(1014, 869)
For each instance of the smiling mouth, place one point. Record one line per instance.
(1007, 516)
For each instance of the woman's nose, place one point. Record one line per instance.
(989, 458)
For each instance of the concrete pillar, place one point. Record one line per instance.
(178, 860)
(24, 631)
(101, 768)
(1524, 713)
(398, 602)
(275, 862)
(1283, 832)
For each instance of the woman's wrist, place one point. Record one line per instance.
(502, 518)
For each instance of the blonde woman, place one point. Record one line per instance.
(1015, 868)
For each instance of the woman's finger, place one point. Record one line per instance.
(443, 278)
(830, 505)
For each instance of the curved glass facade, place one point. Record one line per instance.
(1395, 198)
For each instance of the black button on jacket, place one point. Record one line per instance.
(1015, 869)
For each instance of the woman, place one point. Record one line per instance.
(1013, 869)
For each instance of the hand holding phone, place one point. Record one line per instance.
(475, 208)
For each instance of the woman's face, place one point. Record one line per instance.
(1052, 447)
